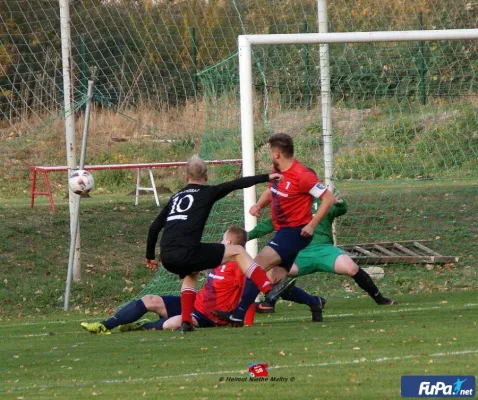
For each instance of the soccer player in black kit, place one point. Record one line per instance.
(182, 221)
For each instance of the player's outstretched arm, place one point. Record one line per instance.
(327, 201)
(225, 188)
(153, 233)
(261, 229)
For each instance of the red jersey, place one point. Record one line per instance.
(222, 291)
(291, 198)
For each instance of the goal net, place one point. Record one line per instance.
(403, 148)
(404, 114)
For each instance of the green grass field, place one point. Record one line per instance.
(360, 351)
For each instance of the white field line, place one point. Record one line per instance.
(6, 324)
(383, 310)
(33, 335)
(241, 371)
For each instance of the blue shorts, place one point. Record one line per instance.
(173, 305)
(202, 320)
(288, 242)
(173, 308)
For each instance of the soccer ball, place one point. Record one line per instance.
(375, 273)
(81, 182)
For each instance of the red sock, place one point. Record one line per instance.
(259, 278)
(188, 295)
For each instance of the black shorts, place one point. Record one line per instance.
(183, 261)
(288, 242)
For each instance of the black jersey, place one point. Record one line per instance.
(186, 213)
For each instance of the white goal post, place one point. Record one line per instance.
(245, 43)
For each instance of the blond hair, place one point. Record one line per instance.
(239, 235)
(196, 168)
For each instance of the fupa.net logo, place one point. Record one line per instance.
(438, 386)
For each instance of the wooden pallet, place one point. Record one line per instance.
(410, 251)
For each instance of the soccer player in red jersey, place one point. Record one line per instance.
(223, 290)
(224, 284)
(291, 203)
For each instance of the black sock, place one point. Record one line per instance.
(366, 283)
(131, 312)
(158, 325)
(298, 295)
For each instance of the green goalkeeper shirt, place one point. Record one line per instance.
(322, 232)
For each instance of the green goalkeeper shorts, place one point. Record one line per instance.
(317, 258)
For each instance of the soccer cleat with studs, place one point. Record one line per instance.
(317, 310)
(387, 302)
(282, 287)
(186, 327)
(265, 308)
(96, 327)
(133, 326)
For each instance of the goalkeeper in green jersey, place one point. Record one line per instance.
(321, 256)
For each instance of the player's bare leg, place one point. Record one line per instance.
(268, 258)
(173, 323)
(294, 271)
(277, 275)
(271, 260)
(155, 304)
(188, 295)
(250, 268)
(344, 265)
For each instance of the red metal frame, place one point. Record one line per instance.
(46, 170)
(33, 191)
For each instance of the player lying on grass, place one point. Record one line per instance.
(223, 289)
(321, 256)
(290, 200)
(182, 221)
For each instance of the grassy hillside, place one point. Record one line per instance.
(382, 140)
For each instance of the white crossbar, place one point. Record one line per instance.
(361, 37)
